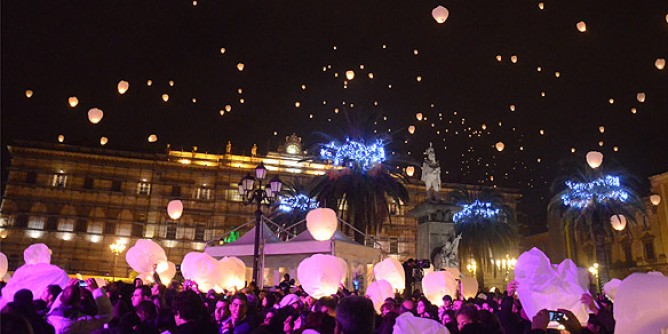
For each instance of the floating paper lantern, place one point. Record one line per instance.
(594, 159)
(512, 107)
(149, 83)
(4, 265)
(618, 222)
(232, 274)
(350, 74)
(228, 108)
(240, 67)
(320, 275)
(418, 116)
(600, 143)
(411, 129)
(166, 271)
(572, 149)
(392, 271)
(660, 63)
(222, 51)
(582, 26)
(378, 292)
(437, 284)
(370, 75)
(500, 146)
(655, 199)
(104, 140)
(165, 97)
(541, 5)
(297, 104)
(640, 97)
(440, 14)
(145, 255)
(73, 101)
(171, 83)
(469, 287)
(28, 93)
(499, 58)
(175, 209)
(61, 138)
(221, 112)
(483, 126)
(321, 223)
(601, 129)
(152, 138)
(513, 59)
(610, 288)
(615, 148)
(95, 115)
(123, 86)
(419, 78)
(410, 170)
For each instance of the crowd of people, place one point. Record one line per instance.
(83, 307)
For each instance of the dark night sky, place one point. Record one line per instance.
(62, 48)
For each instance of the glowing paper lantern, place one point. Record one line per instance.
(166, 271)
(222, 51)
(240, 67)
(73, 101)
(411, 129)
(232, 274)
(95, 115)
(175, 209)
(61, 138)
(618, 222)
(28, 93)
(104, 140)
(321, 223)
(640, 97)
(152, 138)
(512, 107)
(350, 74)
(601, 129)
(171, 83)
(418, 116)
(4, 265)
(541, 5)
(440, 14)
(410, 170)
(469, 287)
(500, 146)
(144, 255)
(594, 159)
(123, 86)
(378, 291)
(610, 288)
(320, 275)
(499, 58)
(513, 59)
(392, 271)
(165, 97)
(655, 199)
(640, 304)
(149, 83)
(437, 284)
(660, 63)
(582, 26)
(37, 253)
(203, 269)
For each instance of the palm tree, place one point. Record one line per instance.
(589, 197)
(295, 200)
(361, 185)
(486, 225)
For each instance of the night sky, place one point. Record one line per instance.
(296, 54)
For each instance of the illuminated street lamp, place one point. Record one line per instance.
(253, 192)
(594, 272)
(472, 267)
(117, 248)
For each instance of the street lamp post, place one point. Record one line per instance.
(253, 192)
(117, 248)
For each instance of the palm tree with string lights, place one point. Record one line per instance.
(590, 197)
(485, 223)
(362, 183)
(295, 200)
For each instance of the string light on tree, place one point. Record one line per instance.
(299, 202)
(353, 153)
(598, 191)
(477, 210)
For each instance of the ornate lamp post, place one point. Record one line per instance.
(117, 248)
(253, 192)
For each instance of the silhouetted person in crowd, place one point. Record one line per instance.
(355, 315)
(188, 309)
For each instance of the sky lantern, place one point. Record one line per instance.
(28, 93)
(321, 223)
(411, 129)
(61, 138)
(601, 129)
(634, 110)
(640, 97)
(152, 138)
(149, 82)
(572, 149)
(165, 97)
(541, 5)
(171, 83)
(582, 26)
(123, 86)
(418, 116)
(594, 159)
(221, 112)
(228, 108)
(660, 63)
(410, 170)
(370, 75)
(499, 58)
(618, 222)
(557, 74)
(73, 101)
(95, 115)
(175, 209)
(483, 126)
(419, 78)
(615, 148)
(500, 146)
(655, 199)
(513, 59)
(350, 74)
(415, 52)
(611, 100)
(222, 51)
(512, 107)
(103, 141)
(440, 14)
(391, 270)
(240, 67)
(600, 143)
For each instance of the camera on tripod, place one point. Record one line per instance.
(422, 264)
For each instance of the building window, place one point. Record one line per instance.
(176, 191)
(21, 221)
(204, 193)
(171, 231)
(185, 233)
(36, 223)
(31, 178)
(116, 186)
(124, 229)
(81, 225)
(97, 227)
(137, 230)
(394, 246)
(232, 193)
(649, 249)
(59, 180)
(88, 183)
(109, 228)
(143, 188)
(66, 225)
(52, 224)
(199, 232)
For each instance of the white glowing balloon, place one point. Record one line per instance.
(582, 26)
(232, 273)
(418, 116)
(469, 287)
(437, 284)
(165, 97)
(411, 129)
(166, 271)
(37, 253)
(175, 209)
(321, 223)
(640, 97)
(95, 115)
(594, 159)
(660, 63)
(392, 271)
(240, 67)
(378, 291)
(104, 141)
(123, 86)
(73, 101)
(61, 138)
(440, 14)
(4, 265)
(144, 255)
(500, 146)
(203, 269)
(618, 222)
(350, 74)
(410, 170)
(655, 199)
(320, 275)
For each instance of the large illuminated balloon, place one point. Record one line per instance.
(469, 287)
(123, 86)
(392, 271)
(440, 14)
(594, 159)
(144, 255)
(321, 223)
(410, 170)
(378, 291)
(437, 284)
(618, 222)
(95, 115)
(232, 274)
(320, 275)
(203, 269)
(175, 209)
(166, 271)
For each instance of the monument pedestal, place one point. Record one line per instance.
(435, 227)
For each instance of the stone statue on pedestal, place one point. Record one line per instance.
(447, 255)
(431, 172)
